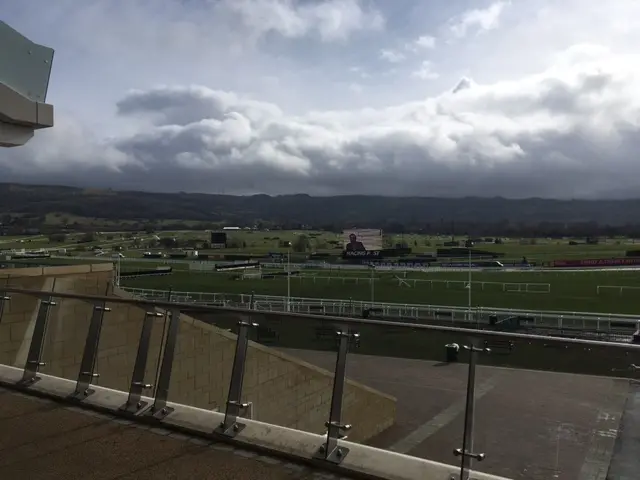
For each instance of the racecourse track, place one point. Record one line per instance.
(318, 265)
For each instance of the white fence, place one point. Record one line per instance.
(477, 315)
(510, 287)
(619, 289)
(333, 266)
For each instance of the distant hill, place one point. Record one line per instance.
(410, 213)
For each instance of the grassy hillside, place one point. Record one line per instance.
(56, 205)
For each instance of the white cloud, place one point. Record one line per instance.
(479, 19)
(425, 72)
(392, 56)
(567, 131)
(215, 96)
(356, 88)
(332, 20)
(360, 72)
(425, 42)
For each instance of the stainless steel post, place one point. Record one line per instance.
(87, 365)
(160, 410)
(230, 426)
(466, 453)
(34, 357)
(134, 401)
(330, 451)
(4, 298)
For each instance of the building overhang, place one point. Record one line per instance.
(25, 68)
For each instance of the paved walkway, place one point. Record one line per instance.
(531, 425)
(43, 440)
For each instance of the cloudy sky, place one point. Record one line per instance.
(396, 97)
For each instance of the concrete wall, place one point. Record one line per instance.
(282, 389)
(68, 321)
(390, 341)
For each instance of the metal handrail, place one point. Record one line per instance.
(474, 333)
(331, 451)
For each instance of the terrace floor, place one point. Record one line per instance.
(531, 425)
(42, 440)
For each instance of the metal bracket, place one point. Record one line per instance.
(472, 348)
(337, 455)
(232, 427)
(341, 428)
(456, 476)
(476, 456)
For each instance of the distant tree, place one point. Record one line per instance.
(57, 238)
(301, 244)
(193, 242)
(87, 237)
(234, 242)
(321, 245)
(168, 242)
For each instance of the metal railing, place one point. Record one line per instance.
(330, 450)
(209, 264)
(560, 319)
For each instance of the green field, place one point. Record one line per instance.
(572, 291)
(258, 243)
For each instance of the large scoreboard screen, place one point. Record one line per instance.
(218, 240)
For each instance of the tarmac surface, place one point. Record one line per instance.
(45, 440)
(531, 425)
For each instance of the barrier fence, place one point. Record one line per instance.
(208, 266)
(512, 287)
(346, 332)
(620, 289)
(558, 319)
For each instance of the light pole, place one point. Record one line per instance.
(469, 283)
(288, 276)
(373, 270)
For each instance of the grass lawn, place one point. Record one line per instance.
(573, 291)
(260, 243)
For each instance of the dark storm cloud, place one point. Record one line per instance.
(570, 132)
